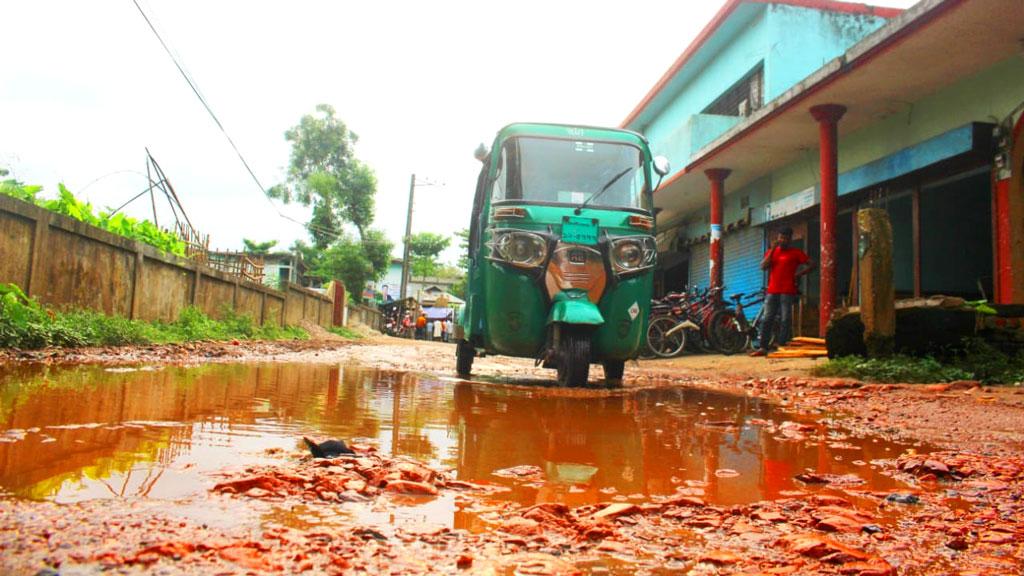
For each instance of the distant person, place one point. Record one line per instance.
(444, 330)
(785, 265)
(438, 329)
(421, 327)
(407, 326)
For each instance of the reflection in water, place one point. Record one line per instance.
(72, 434)
(644, 443)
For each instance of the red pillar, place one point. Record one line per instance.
(1008, 204)
(828, 116)
(1004, 268)
(338, 318)
(717, 177)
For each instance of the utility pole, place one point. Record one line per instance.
(408, 236)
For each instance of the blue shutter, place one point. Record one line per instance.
(742, 252)
(700, 275)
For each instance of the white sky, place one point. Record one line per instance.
(85, 87)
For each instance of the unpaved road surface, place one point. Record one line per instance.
(697, 465)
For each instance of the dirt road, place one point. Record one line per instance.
(850, 478)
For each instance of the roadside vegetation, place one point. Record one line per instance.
(325, 175)
(976, 360)
(26, 324)
(345, 332)
(67, 204)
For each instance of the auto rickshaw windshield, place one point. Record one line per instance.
(571, 172)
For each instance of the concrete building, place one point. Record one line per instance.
(391, 284)
(425, 287)
(799, 112)
(281, 267)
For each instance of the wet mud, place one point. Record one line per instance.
(200, 469)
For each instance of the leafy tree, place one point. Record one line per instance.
(447, 271)
(424, 249)
(358, 203)
(457, 274)
(310, 255)
(378, 251)
(459, 288)
(463, 236)
(258, 248)
(355, 262)
(324, 173)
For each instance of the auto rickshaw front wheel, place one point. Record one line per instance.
(464, 353)
(573, 357)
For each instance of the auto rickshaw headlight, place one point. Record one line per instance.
(632, 253)
(522, 249)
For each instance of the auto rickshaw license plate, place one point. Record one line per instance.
(579, 230)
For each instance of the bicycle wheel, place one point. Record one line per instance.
(663, 344)
(726, 332)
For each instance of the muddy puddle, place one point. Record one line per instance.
(161, 433)
(202, 470)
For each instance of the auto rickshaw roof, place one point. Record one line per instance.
(571, 131)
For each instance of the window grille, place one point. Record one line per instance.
(742, 98)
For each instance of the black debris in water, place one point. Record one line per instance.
(327, 448)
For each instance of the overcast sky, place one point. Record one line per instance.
(85, 87)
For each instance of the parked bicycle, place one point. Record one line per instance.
(684, 318)
(668, 324)
(732, 331)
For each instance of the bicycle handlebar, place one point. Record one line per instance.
(753, 296)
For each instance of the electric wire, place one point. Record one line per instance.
(108, 174)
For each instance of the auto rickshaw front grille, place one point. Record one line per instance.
(577, 277)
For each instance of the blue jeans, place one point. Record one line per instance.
(778, 308)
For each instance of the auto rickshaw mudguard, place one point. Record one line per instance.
(573, 307)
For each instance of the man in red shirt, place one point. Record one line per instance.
(785, 264)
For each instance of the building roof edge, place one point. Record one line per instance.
(720, 18)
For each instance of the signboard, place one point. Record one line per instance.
(789, 205)
(579, 230)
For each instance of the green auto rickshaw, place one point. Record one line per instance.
(561, 249)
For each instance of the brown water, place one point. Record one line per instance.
(160, 433)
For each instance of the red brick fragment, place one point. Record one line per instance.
(820, 547)
(410, 487)
(615, 510)
(247, 557)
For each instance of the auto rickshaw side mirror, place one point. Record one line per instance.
(661, 166)
(481, 152)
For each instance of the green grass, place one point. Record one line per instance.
(344, 332)
(894, 369)
(193, 325)
(24, 323)
(976, 360)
